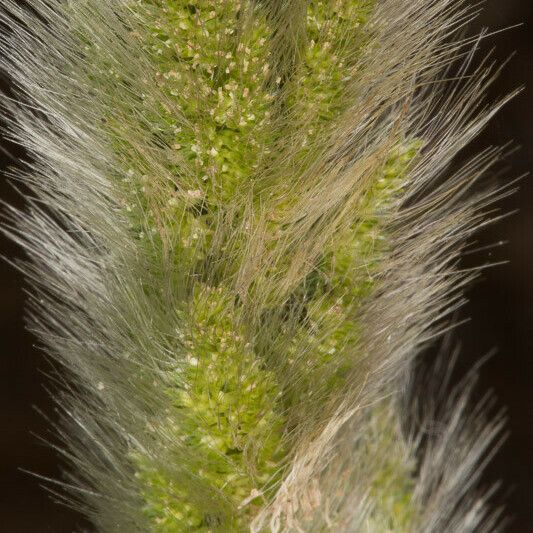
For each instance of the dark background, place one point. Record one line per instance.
(500, 312)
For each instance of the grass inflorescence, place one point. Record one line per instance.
(247, 255)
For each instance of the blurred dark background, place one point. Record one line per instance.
(500, 311)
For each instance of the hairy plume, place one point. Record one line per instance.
(243, 229)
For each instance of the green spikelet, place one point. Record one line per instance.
(234, 94)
